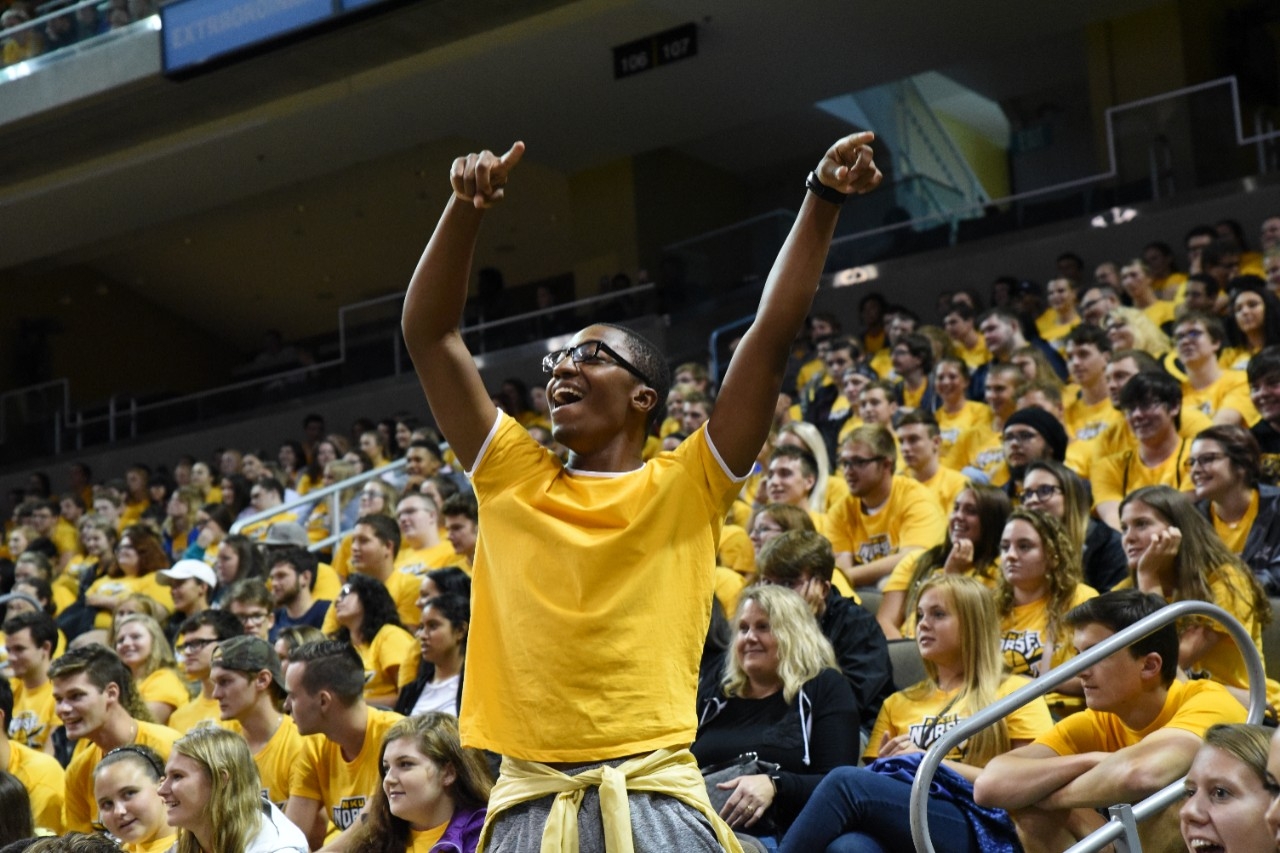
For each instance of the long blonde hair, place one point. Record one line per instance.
(235, 795)
(802, 650)
(984, 668)
(161, 654)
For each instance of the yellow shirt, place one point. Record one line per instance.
(1053, 330)
(1024, 635)
(882, 364)
(277, 758)
(423, 841)
(1191, 706)
(1085, 423)
(1235, 535)
(921, 717)
(382, 659)
(952, 428)
(33, 716)
(328, 584)
(45, 781)
(258, 530)
(837, 490)
(164, 685)
(909, 518)
(565, 559)
(911, 397)
(985, 451)
(973, 357)
(736, 551)
(157, 845)
(65, 538)
(123, 587)
(1122, 473)
(419, 561)
(1228, 391)
(341, 786)
(1159, 312)
(944, 486)
(198, 710)
(1223, 663)
(404, 591)
(1234, 358)
(80, 808)
(1118, 437)
(807, 372)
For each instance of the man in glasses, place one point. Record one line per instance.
(1222, 395)
(200, 634)
(577, 563)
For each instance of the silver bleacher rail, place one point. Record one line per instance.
(333, 493)
(1122, 828)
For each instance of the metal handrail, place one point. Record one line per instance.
(28, 389)
(334, 493)
(1061, 674)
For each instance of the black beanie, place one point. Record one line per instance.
(1049, 427)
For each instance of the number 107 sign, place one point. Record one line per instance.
(659, 49)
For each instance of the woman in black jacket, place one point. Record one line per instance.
(781, 697)
(443, 635)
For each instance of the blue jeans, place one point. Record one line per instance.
(857, 811)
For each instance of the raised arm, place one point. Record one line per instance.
(744, 408)
(437, 295)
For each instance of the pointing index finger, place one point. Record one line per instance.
(513, 155)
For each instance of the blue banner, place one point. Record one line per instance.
(196, 31)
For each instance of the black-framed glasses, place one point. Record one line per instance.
(588, 352)
(1204, 459)
(1040, 493)
(191, 646)
(859, 461)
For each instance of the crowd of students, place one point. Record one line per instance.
(1004, 518)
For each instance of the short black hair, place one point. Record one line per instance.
(300, 559)
(224, 623)
(1264, 365)
(806, 459)
(1087, 334)
(266, 481)
(1117, 610)
(461, 504)
(451, 580)
(1211, 286)
(385, 529)
(42, 626)
(1150, 387)
(649, 360)
(331, 665)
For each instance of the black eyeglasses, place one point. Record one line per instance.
(194, 645)
(588, 352)
(1039, 493)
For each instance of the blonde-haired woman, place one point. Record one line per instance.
(433, 793)
(965, 673)
(781, 697)
(214, 798)
(1129, 328)
(140, 642)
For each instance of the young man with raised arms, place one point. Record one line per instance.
(607, 546)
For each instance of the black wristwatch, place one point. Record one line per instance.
(823, 191)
